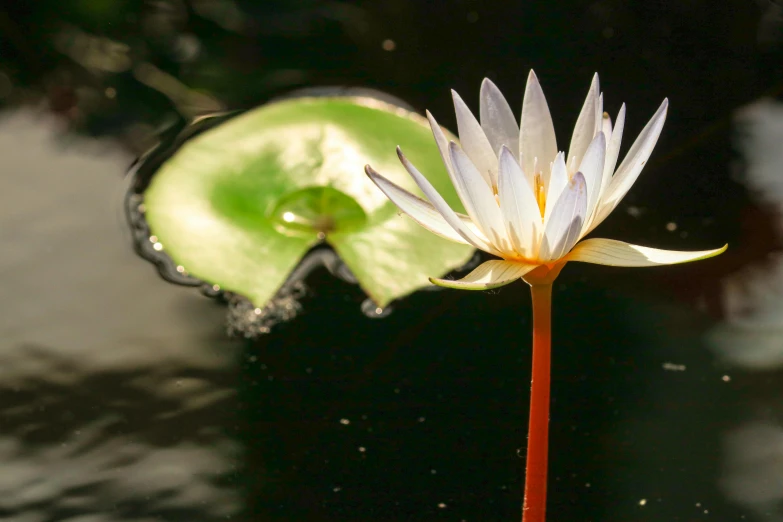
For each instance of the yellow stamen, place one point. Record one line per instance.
(540, 194)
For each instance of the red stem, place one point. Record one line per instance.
(534, 508)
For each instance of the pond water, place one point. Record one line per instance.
(123, 398)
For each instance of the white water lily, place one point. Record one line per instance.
(526, 202)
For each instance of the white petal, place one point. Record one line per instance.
(592, 168)
(422, 212)
(475, 143)
(537, 133)
(445, 210)
(497, 119)
(480, 202)
(637, 156)
(563, 228)
(518, 205)
(618, 253)
(557, 184)
(606, 126)
(443, 147)
(442, 142)
(584, 129)
(490, 274)
(599, 112)
(603, 209)
(614, 138)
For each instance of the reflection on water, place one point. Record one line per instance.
(118, 391)
(751, 337)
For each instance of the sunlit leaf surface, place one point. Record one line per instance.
(239, 205)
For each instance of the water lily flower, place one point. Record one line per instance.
(526, 202)
(530, 205)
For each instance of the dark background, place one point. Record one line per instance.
(433, 397)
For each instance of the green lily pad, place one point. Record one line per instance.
(240, 204)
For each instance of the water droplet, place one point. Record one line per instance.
(671, 226)
(725, 378)
(372, 310)
(317, 210)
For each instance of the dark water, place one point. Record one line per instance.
(122, 397)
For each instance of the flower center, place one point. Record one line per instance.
(540, 194)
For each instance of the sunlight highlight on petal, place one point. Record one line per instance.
(518, 206)
(475, 143)
(490, 274)
(537, 132)
(584, 130)
(497, 119)
(618, 253)
(422, 212)
(562, 230)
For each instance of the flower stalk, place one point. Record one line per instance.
(534, 507)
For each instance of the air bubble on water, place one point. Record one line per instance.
(248, 320)
(370, 309)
